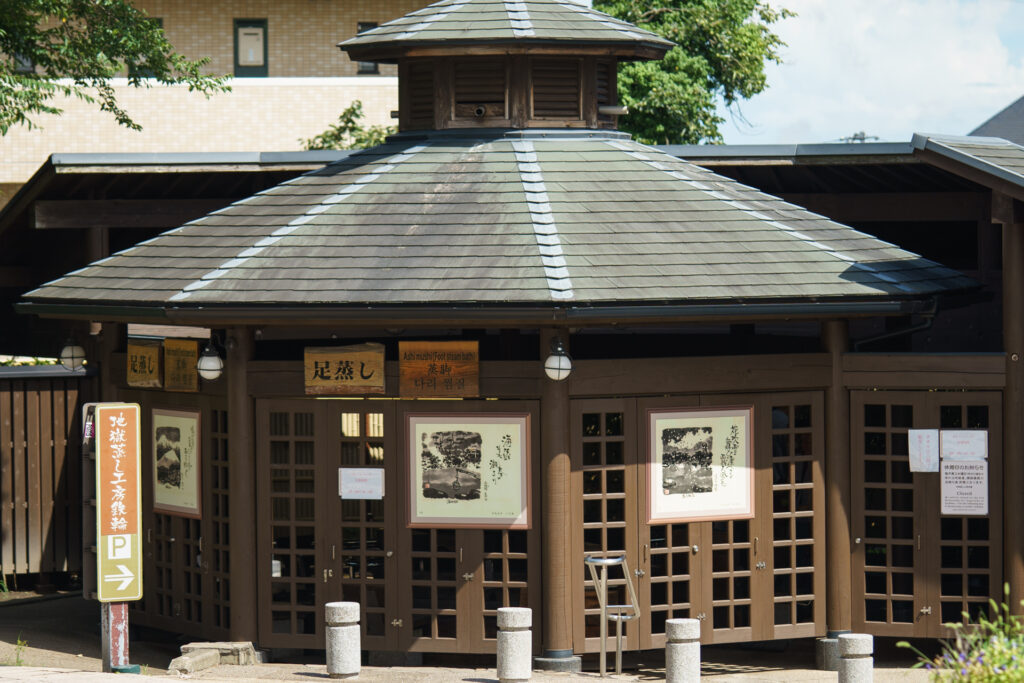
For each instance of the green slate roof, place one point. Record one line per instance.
(520, 218)
(493, 22)
(994, 156)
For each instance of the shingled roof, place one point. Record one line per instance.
(526, 219)
(494, 22)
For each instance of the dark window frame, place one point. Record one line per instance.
(251, 71)
(366, 68)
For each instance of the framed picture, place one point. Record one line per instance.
(700, 464)
(469, 471)
(177, 465)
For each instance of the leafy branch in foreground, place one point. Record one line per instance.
(349, 132)
(72, 48)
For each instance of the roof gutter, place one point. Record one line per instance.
(449, 315)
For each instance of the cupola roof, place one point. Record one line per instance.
(498, 24)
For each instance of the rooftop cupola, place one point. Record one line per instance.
(495, 64)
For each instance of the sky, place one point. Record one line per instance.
(889, 68)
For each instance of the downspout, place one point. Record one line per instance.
(926, 324)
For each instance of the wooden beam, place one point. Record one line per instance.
(1013, 412)
(121, 213)
(979, 176)
(894, 206)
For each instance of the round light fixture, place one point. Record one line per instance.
(210, 365)
(558, 365)
(72, 356)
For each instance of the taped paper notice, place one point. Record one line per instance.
(924, 450)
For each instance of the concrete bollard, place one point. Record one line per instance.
(515, 644)
(682, 651)
(856, 665)
(343, 646)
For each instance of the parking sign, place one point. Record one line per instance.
(118, 503)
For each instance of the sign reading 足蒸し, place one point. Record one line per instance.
(439, 369)
(144, 364)
(357, 369)
(118, 508)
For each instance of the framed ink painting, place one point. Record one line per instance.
(700, 464)
(469, 471)
(176, 463)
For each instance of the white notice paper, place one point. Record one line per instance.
(361, 483)
(964, 489)
(964, 444)
(924, 450)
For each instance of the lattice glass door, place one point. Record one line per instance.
(915, 569)
(359, 537)
(454, 580)
(290, 571)
(603, 481)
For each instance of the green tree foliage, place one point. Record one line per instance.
(721, 49)
(76, 47)
(349, 132)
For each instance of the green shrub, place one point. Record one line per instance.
(989, 649)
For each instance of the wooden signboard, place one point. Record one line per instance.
(344, 370)
(118, 508)
(180, 357)
(439, 369)
(144, 364)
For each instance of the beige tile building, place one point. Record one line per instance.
(291, 82)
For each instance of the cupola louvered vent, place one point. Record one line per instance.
(480, 87)
(421, 94)
(555, 88)
(605, 80)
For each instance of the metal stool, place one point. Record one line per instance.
(616, 613)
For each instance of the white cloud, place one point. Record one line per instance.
(887, 68)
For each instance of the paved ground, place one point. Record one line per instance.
(61, 643)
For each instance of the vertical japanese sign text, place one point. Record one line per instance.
(118, 503)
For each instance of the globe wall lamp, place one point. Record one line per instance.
(558, 365)
(210, 364)
(72, 356)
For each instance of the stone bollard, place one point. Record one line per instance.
(515, 644)
(856, 665)
(682, 651)
(343, 655)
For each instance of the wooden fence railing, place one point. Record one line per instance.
(40, 469)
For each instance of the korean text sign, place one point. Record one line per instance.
(118, 503)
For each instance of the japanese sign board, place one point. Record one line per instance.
(964, 488)
(361, 483)
(439, 369)
(144, 364)
(180, 358)
(332, 370)
(118, 503)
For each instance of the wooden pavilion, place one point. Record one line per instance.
(508, 215)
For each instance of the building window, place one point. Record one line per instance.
(366, 67)
(23, 65)
(250, 48)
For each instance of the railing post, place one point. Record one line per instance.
(515, 644)
(682, 651)
(343, 645)
(856, 665)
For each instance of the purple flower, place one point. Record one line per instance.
(963, 672)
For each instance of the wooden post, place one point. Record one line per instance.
(1011, 214)
(555, 525)
(241, 487)
(838, 605)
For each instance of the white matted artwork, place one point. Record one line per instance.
(469, 470)
(176, 466)
(700, 464)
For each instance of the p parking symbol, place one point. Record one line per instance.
(119, 547)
